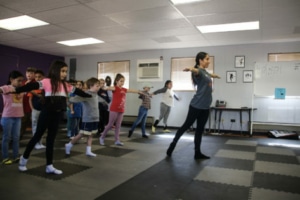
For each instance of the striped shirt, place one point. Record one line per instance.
(146, 97)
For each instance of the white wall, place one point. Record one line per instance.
(236, 94)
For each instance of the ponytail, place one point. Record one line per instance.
(199, 56)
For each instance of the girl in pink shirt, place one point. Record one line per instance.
(11, 116)
(56, 92)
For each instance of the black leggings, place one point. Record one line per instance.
(47, 120)
(201, 115)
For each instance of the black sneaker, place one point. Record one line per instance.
(171, 149)
(130, 133)
(199, 155)
(16, 160)
(144, 136)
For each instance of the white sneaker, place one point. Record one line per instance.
(22, 164)
(42, 146)
(68, 148)
(166, 131)
(90, 154)
(118, 143)
(52, 170)
(37, 146)
(101, 141)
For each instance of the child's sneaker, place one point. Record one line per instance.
(16, 160)
(101, 141)
(7, 161)
(51, 170)
(68, 147)
(22, 164)
(153, 129)
(89, 152)
(118, 143)
(130, 133)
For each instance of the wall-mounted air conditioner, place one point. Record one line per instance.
(150, 70)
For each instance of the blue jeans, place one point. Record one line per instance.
(142, 116)
(74, 124)
(11, 131)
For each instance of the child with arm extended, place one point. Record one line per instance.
(166, 103)
(75, 113)
(11, 116)
(56, 92)
(117, 108)
(143, 111)
(90, 116)
(36, 98)
(103, 107)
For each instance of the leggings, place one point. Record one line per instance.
(114, 118)
(164, 112)
(201, 115)
(47, 120)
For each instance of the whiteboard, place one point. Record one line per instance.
(271, 75)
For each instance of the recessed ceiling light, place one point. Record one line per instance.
(21, 22)
(79, 42)
(175, 2)
(229, 27)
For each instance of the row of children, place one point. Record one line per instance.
(56, 91)
(55, 96)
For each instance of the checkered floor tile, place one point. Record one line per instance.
(267, 172)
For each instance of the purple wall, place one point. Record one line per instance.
(19, 59)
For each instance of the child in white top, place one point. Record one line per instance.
(166, 103)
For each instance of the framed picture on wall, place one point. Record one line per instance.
(248, 76)
(239, 61)
(231, 76)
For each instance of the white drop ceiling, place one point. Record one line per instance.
(132, 25)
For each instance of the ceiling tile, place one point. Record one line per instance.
(7, 36)
(169, 39)
(211, 19)
(8, 13)
(116, 6)
(159, 25)
(147, 15)
(33, 6)
(43, 31)
(66, 14)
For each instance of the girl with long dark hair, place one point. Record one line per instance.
(56, 92)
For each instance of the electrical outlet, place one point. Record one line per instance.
(232, 120)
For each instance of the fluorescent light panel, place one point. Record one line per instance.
(21, 22)
(229, 27)
(79, 42)
(175, 2)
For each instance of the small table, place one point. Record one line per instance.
(221, 109)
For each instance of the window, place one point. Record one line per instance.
(276, 57)
(112, 69)
(182, 80)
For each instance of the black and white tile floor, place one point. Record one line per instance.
(239, 168)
